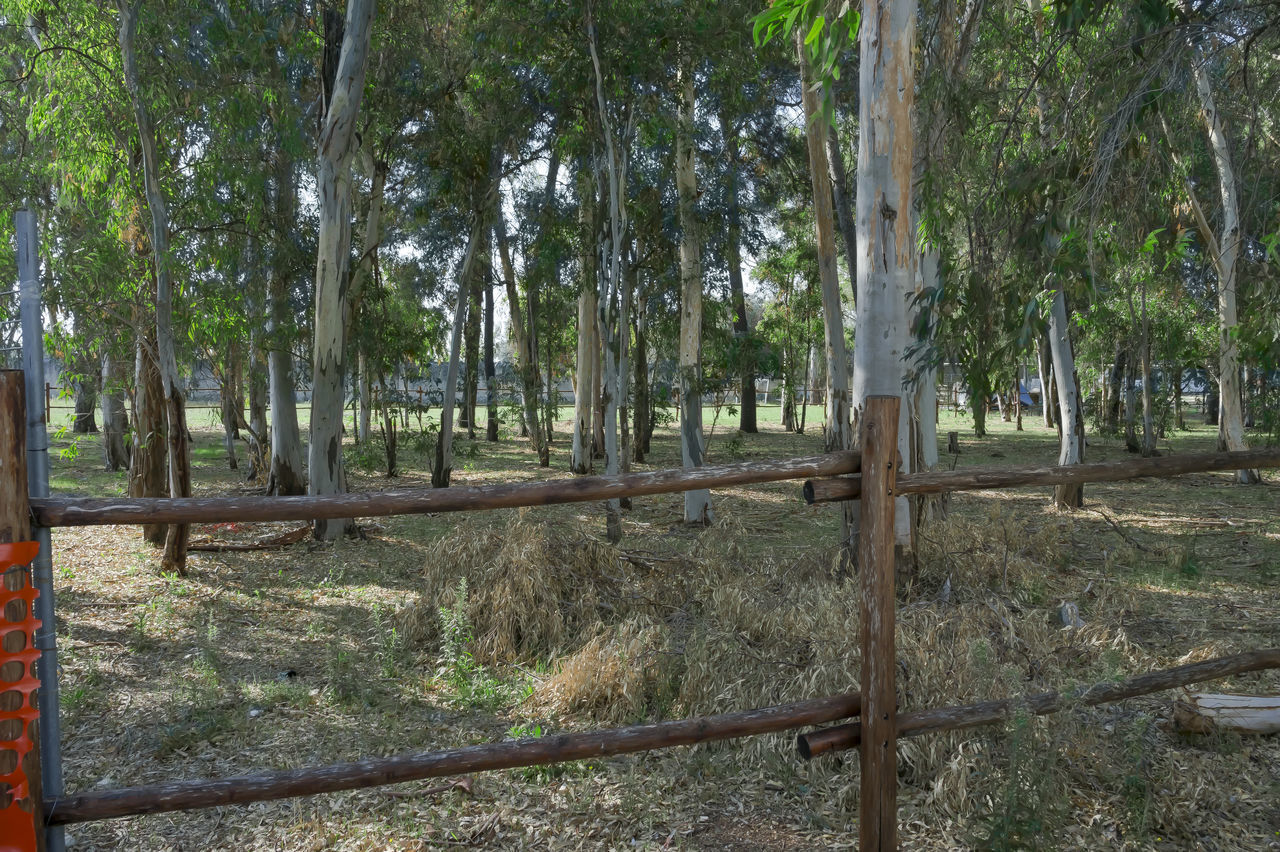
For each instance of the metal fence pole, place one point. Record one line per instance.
(38, 486)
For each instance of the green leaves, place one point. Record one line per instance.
(825, 39)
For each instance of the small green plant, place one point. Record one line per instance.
(387, 640)
(466, 682)
(1025, 810)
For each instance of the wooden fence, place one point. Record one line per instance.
(871, 475)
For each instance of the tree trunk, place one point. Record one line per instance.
(697, 504)
(490, 372)
(1070, 446)
(580, 455)
(641, 428)
(147, 460)
(887, 246)
(114, 418)
(1070, 415)
(179, 466)
(526, 357)
(333, 186)
(443, 467)
(229, 408)
(841, 201)
(1178, 418)
(597, 378)
(471, 343)
(839, 434)
(1112, 420)
(1130, 410)
(377, 170)
(285, 474)
(85, 421)
(1226, 252)
(733, 257)
(1045, 367)
(1148, 407)
(364, 392)
(258, 447)
(614, 299)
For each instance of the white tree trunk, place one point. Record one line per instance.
(333, 185)
(887, 251)
(1231, 409)
(1064, 369)
(179, 469)
(613, 302)
(1070, 416)
(697, 504)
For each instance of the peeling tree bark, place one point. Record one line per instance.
(336, 148)
(887, 253)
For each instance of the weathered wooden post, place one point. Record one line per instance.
(48, 402)
(878, 822)
(21, 821)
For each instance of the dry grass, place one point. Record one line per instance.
(179, 677)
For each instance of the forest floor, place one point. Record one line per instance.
(438, 631)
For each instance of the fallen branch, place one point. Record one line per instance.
(284, 539)
(920, 722)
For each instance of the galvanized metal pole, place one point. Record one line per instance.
(38, 486)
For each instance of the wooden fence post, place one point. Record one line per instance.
(15, 526)
(878, 818)
(48, 402)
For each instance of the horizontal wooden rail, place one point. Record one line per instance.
(75, 511)
(977, 479)
(189, 795)
(920, 722)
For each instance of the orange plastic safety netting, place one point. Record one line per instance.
(18, 685)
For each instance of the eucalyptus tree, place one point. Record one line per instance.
(344, 88)
(838, 429)
(697, 503)
(1225, 248)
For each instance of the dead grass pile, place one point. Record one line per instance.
(534, 589)
(617, 676)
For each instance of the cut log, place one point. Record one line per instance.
(1207, 712)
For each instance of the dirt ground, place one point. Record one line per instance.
(438, 631)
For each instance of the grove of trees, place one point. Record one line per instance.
(664, 200)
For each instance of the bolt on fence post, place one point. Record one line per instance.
(37, 462)
(878, 816)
